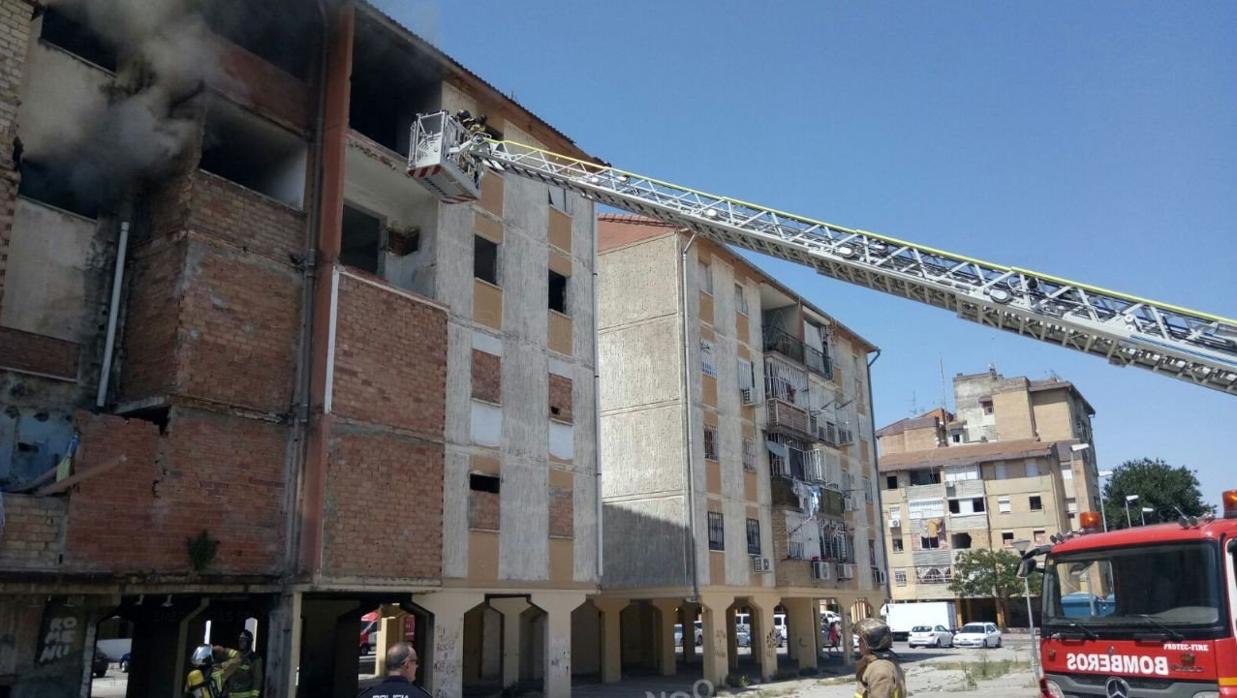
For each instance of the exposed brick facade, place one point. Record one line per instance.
(390, 359)
(562, 512)
(15, 29)
(237, 216)
(209, 471)
(33, 532)
(38, 353)
(384, 506)
(560, 398)
(483, 510)
(487, 379)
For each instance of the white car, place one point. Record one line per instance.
(978, 635)
(930, 636)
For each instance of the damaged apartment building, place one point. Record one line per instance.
(252, 376)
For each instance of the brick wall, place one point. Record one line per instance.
(383, 513)
(33, 536)
(151, 321)
(14, 35)
(249, 80)
(233, 214)
(209, 471)
(484, 510)
(25, 351)
(561, 512)
(390, 359)
(487, 380)
(560, 398)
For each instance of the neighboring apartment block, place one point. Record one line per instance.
(1013, 464)
(251, 375)
(739, 458)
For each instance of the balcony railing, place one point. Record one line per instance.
(785, 417)
(789, 346)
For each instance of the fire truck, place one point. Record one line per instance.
(1142, 612)
(1145, 611)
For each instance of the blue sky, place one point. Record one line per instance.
(1095, 141)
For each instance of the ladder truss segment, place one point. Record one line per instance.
(1128, 331)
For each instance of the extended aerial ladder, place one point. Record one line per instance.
(449, 158)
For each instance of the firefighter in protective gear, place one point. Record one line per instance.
(878, 673)
(245, 681)
(212, 666)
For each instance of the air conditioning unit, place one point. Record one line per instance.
(760, 564)
(822, 570)
(846, 570)
(747, 396)
(895, 523)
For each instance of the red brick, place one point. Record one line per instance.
(484, 510)
(25, 351)
(560, 398)
(562, 512)
(487, 378)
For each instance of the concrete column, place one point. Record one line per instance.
(713, 616)
(764, 642)
(391, 624)
(732, 641)
(282, 639)
(444, 669)
(687, 618)
(611, 638)
(848, 630)
(510, 607)
(558, 607)
(801, 644)
(667, 616)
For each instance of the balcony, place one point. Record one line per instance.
(789, 346)
(783, 417)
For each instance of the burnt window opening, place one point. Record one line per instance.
(360, 241)
(59, 186)
(483, 483)
(254, 153)
(392, 81)
(485, 259)
(558, 292)
(160, 416)
(284, 33)
(65, 32)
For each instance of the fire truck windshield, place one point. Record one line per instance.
(1175, 585)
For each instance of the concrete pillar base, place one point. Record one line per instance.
(611, 638)
(804, 630)
(667, 616)
(444, 678)
(764, 638)
(511, 607)
(558, 606)
(713, 616)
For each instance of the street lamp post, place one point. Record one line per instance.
(1021, 546)
(1145, 511)
(1105, 474)
(1129, 499)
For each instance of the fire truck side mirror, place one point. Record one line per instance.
(1027, 567)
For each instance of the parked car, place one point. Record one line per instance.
(743, 635)
(124, 663)
(930, 636)
(978, 635)
(699, 632)
(678, 634)
(369, 631)
(98, 666)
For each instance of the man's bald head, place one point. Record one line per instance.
(402, 660)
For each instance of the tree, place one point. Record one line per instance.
(1159, 486)
(992, 573)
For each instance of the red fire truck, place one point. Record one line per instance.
(1145, 611)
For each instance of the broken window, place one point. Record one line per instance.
(393, 80)
(360, 240)
(960, 541)
(54, 185)
(284, 33)
(483, 483)
(63, 31)
(891, 482)
(485, 259)
(558, 292)
(254, 153)
(1036, 502)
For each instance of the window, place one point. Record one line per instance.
(897, 544)
(710, 442)
(706, 278)
(961, 473)
(485, 259)
(753, 536)
(928, 543)
(1002, 471)
(986, 405)
(957, 437)
(558, 292)
(360, 240)
(925, 508)
(749, 454)
(1040, 535)
(1037, 503)
(899, 578)
(867, 490)
(974, 505)
(960, 541)
(891, 482)
(1007, 539)
(254, 153)
(707, 367)
(1067, 473)
(1002, 505)
(77, 39)
(717, 531)
(925, 477)
(1032, 468)
(483, 483)
(740, 300)
(1071, 505)
(955, 506)
(747, 379)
